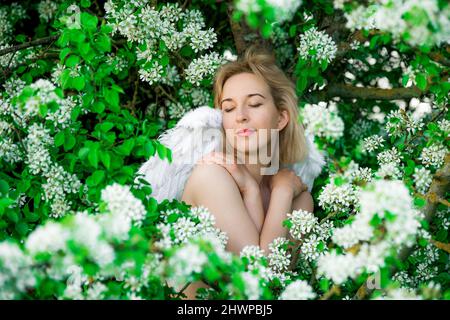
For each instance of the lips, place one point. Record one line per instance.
(245, 132)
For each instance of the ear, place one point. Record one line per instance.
(283, 119)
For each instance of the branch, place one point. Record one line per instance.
(242, 34)
(33, 43)
(349, 91)
(439, 186)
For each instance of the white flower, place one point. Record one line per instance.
(372, 143)
(323, 120)
(317, 45)
(433, 155)
(120, 200)
(49, 238)
(15, 271)
(47, 9)
(302, 223)
(422, 179)
(152, 75)
(252, 289)
(338, 198)
(298, 290)
(203, 67)
(279, 258)
(187, 260)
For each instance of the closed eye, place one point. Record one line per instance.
(228, 110)
(255, 105)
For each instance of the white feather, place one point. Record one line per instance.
(167, 180)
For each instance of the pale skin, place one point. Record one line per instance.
(248, 206)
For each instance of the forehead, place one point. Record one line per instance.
(242, 84)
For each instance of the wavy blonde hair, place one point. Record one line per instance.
(261, 62)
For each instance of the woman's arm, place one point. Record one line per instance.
(280, 204)
(211, 186)
(253, 202)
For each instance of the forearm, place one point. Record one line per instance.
(253, 203)
(280, 205)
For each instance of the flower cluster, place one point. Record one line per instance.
(298, 290)
(415, 22)
(385, 204)
(124, 207)
(311, 235)
(433, 155)
(323, 120)
(317, 45)
(15, 271)
(146, 27)
(372, 143)
(399, 121)
(24, 106)
(178, 227)
(338, 198)
(203, 67)
(422, 179)
(285, 10)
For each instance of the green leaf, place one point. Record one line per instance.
(98, 107)
(93, 156)
(149, 150)
(78, 83)
(112, 98)
(89, 22)
(4, 187)
(72, 61)
(22, 228)
(96, 178)
(106, 126)
(105, 158)
(421, 81)
(69, 142)
(11, 215)
(84, 48)
(126, 147)
(64, 52)
(419, 202)
(405, 79)
(59, 139)
(162, 153)
(103, 43)
(164, 61)
(292, 31)
(83, 153)
(85, 3)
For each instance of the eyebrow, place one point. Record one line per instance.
(249, 95)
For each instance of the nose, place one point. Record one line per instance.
(241, 114)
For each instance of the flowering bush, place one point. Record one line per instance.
(86, 87)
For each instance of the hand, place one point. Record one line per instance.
(286, 178)
(239, 172)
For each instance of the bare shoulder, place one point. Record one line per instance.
(207, 178)
(303, 201)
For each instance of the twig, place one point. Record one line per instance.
(182, 289)
(334, 290)
(29, 44)
(349, 91)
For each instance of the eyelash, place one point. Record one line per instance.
(251, 105)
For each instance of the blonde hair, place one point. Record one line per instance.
(259, 61)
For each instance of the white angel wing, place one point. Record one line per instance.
(310, 168)
(197, 133)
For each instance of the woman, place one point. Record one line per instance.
(255, 96)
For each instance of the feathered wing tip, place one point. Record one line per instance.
(189, 140)
(310, 168)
